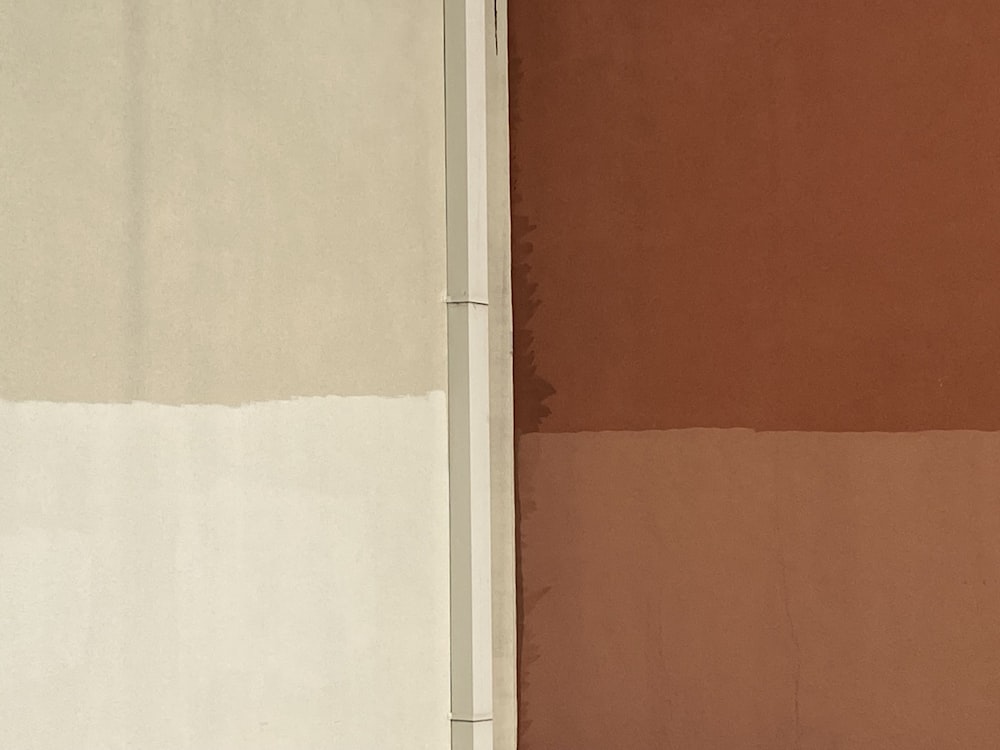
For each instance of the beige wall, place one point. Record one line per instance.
(211, 211)
(501, 386)
(221, 202)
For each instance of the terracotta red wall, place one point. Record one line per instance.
(757, 373)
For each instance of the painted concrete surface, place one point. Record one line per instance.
(501, 387)
(778, 216)
(221, 202)
(215, 578)
(775, 215)
(727, 588)
(223, 444)
(65, 258)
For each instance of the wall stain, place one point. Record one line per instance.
(531, 390)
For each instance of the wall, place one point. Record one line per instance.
(756, 346)
(501, 386)
(223, 441)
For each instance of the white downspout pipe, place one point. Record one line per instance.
(468, 376)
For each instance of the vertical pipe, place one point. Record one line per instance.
(468, 375)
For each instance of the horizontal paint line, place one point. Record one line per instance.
(755, 431)
(235, 405)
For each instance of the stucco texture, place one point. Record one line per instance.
(223, 428)
(757, 338)
(501, 387)
(214, 578)
(221, 202)
(729, 588)
(775, 215)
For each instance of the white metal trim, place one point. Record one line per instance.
(468, 376)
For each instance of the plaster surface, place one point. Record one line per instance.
(714, 588)
(215, 578)
(501, 386)
(221, 202)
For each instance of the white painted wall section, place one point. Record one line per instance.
(215, 578)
